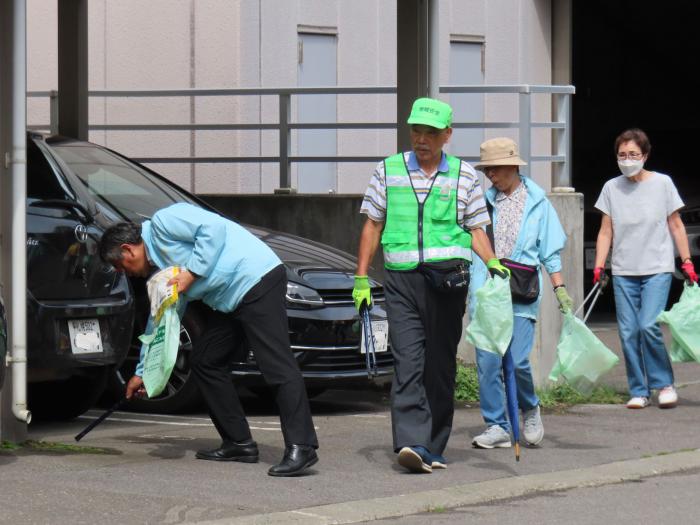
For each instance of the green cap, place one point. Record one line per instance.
(431, 112)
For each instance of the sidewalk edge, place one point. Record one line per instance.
(474, 493)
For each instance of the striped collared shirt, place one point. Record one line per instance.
(471, 207)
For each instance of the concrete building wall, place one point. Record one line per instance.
(170, 44)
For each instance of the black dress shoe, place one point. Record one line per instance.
(297, 458)
(243, 451)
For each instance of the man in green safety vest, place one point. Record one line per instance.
(427, 210)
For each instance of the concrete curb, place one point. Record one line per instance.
(475, 493)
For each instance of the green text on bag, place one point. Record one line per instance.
(161, 354)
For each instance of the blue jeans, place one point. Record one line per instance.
(492, 392)
(638, 301)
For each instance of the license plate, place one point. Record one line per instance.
(85, 336)
(380, 331)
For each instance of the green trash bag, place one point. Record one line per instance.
(684, 321)
(678, 354)
(161, 354)
(163, 342)
(491, 328)
(581, 357)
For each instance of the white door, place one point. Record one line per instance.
(466, 69)
(317, 68)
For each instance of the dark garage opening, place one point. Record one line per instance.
(634, 64)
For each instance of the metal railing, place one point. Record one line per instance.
(561, 125)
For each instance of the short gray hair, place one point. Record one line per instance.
(115, 236)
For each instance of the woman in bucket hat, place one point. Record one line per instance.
(527, 234)
(641, 222)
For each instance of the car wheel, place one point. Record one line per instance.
(181, 394)
(67, 399)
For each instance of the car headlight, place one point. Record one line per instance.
(302, 296)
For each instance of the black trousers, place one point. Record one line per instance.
(263, 316)
(424, 326)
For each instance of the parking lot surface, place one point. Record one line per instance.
(140, 468)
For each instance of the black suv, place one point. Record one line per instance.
(84, 317)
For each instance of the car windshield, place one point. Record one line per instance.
(114, 182)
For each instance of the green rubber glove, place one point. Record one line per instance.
(362, 293)
(496, 268)
(565, 302)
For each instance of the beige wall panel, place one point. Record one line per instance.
(42, 56)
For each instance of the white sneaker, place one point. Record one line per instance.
(533, 430)
(493, 437)
(668, 398)
(638, 402)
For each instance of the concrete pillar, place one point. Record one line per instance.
(73, 68)
(561, 42)
(412, 62)
(10, 428)
(569, 206)
(561, 75)
(434, 48)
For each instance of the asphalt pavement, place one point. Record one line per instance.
(668, 499)
(141, 468)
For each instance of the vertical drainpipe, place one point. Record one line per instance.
(433, 48)
(17, 162)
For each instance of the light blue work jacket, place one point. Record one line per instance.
(540, 241)
(228, 259)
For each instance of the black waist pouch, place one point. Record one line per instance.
(449, 276)
(524, 281)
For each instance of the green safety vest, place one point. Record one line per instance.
(422, 232)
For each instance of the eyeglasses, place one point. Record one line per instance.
(632, 156)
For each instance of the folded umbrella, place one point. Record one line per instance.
(512, 400)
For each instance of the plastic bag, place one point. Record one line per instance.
(491, 328)
(678, 354)
(160, 294)
(581, 357)
(164, 341)
(684, 321)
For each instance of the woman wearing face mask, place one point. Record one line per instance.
(641, 221)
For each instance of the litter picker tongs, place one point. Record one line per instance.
(597, 290)
(370, 354)
(101, 418)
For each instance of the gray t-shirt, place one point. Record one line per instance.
(642, 243)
